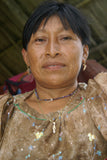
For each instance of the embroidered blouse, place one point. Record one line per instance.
(80, 129)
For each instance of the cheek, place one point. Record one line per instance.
(34, 57)
(74, 48)
(75, 55)
(75, 58)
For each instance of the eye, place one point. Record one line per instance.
(66, 38)
(39, 40)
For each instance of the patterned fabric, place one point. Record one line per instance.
(81, 131)
(20, 83)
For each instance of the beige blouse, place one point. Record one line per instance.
(79, 131)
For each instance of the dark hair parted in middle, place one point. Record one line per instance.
(69, 16)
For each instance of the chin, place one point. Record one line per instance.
(55, 84)
(50, 83)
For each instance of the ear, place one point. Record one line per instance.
(85, 54)
(25, 56)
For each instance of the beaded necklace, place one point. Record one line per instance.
(53, 121)
(52, 99)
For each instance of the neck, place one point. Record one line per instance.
(47, 93)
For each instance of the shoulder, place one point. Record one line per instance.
(7, 98)
(98, 83)
(3, 99)
(7, 105)
(21, 97)
(96, 94)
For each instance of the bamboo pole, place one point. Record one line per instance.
(10, 39)
(16, 12)
(83, 3)
(99, 47)
(6, 70)
(4, 51)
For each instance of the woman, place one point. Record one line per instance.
(60, 119)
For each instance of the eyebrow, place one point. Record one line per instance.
(41, 30)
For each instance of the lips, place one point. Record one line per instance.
(53, 65)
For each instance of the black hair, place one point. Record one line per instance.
(68, 14)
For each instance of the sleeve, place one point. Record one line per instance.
(3, 99)
(97, 102)
(101, 80)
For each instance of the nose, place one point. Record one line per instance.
(53, 48)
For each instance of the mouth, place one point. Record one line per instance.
(53, 66)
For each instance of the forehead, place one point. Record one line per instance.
(54, 22)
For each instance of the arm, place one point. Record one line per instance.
(101, 80)
(6, 106)
(97, 104)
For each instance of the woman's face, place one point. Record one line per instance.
(55, 55)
